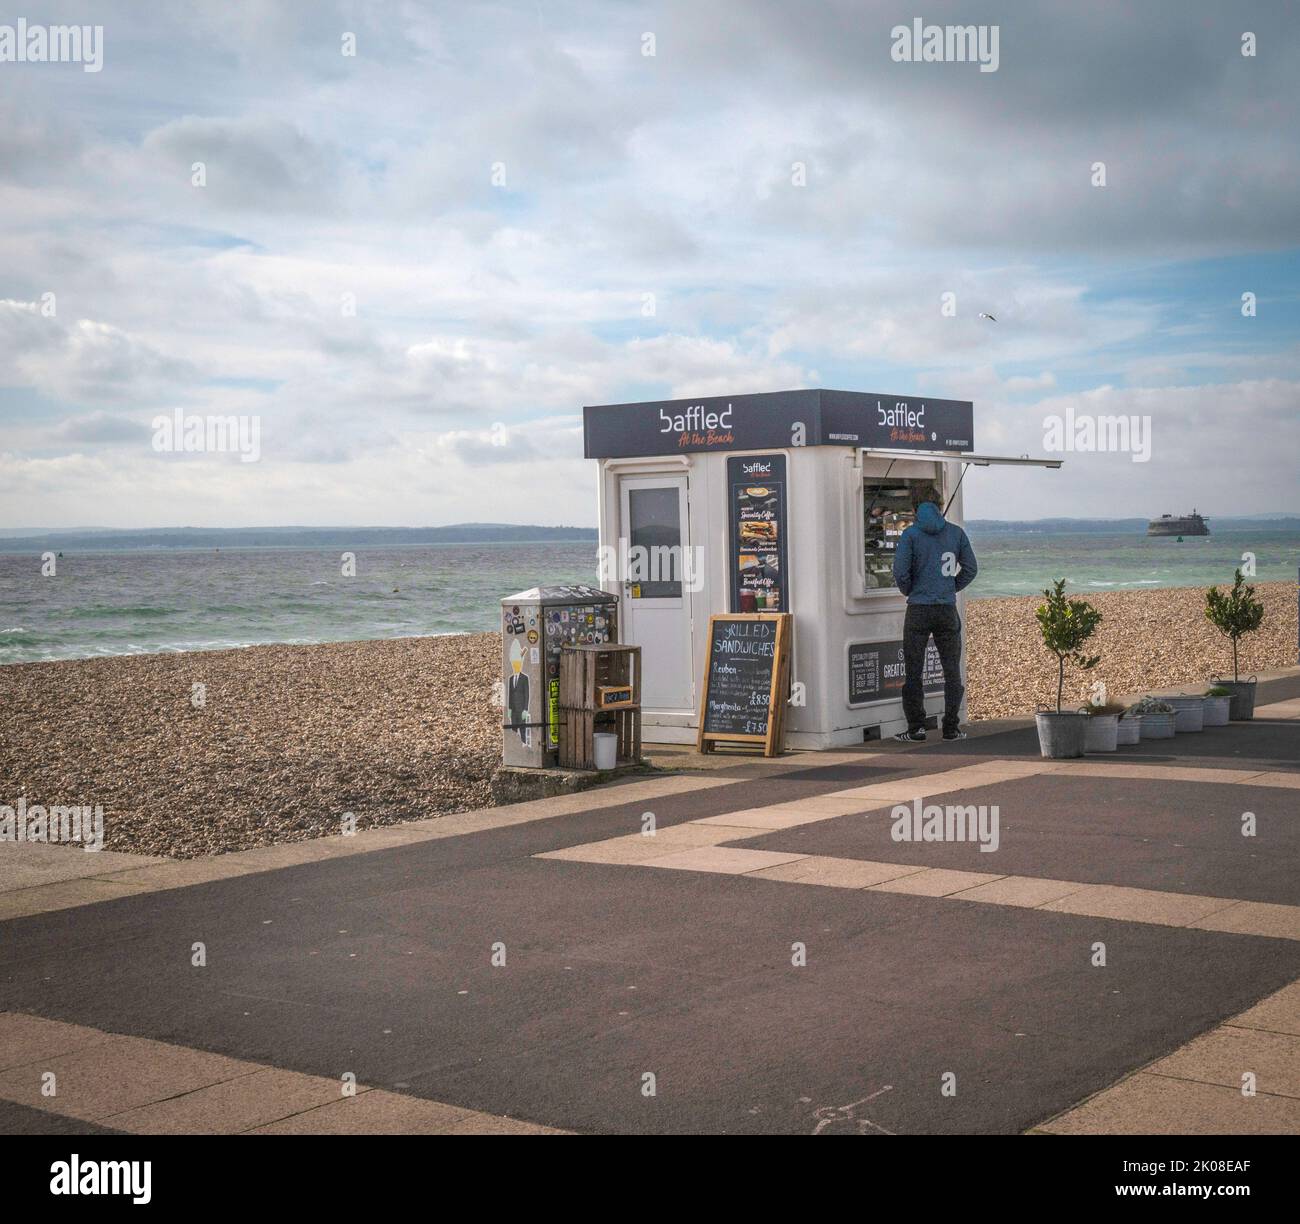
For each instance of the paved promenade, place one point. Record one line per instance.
(772, 959)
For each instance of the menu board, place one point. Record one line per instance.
(756, 503)
(876, 671)
(747, 675)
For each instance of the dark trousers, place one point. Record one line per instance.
(921, 621)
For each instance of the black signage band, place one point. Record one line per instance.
(777, 419)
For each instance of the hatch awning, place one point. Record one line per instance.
(962, 457)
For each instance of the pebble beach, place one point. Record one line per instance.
(279, 743)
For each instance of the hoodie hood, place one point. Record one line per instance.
(930, 519)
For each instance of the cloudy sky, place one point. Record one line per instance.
(414, 264)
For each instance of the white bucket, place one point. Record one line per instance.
(605, 749)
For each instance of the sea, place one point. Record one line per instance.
(116, 602)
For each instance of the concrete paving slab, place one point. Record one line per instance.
(1021, 890)
(637, 848)
(1155, 1105)
(179, 874)
(831, 804)
(1255, 918)
(1279, 1013)
(833, 872)
(113, 1076)
(19, 1120)
(1138, 905)
(779, 816)
(232, 1106)
(1228, 1053)
(371, 1113)
(490, 1124)
(882, 794)
(31, 864)
(25, 1038)
(1289, 781)
(69, 894)
(1163, 773)
(256, 1097)
(721, 860)
(932, 883)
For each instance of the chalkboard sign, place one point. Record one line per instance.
(746, 678)
(876, 671)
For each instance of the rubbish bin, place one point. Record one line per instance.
(535, 624)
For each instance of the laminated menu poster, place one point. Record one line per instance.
(876, 671)
(746, 680)
(756, 493)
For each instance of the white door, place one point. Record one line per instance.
(653, 554)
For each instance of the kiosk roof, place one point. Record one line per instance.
(813, 417)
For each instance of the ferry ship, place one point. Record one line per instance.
(1178, 525)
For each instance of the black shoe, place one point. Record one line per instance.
(952, 735)
(911, 737)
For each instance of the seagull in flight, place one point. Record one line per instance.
(989, 317)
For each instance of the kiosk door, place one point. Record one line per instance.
(654, 555)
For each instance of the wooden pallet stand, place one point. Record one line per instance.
(585, 671)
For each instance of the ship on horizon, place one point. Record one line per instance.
(1178, 525)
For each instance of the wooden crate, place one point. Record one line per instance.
(584, 671)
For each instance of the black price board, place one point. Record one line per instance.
(876, 671)
(756, 509)
(746, 678)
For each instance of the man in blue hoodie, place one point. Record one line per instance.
(933, 562)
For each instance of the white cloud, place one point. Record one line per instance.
(628, 179)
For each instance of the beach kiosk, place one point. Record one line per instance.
(786, 501)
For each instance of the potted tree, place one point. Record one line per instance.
(1218, 704)
(1236, 614)
(1066, 625)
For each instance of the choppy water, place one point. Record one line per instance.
(1023, 563)
(108, 603)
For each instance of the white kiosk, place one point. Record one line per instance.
(788, 501)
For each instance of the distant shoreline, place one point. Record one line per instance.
(179, 539)
(183, 539)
